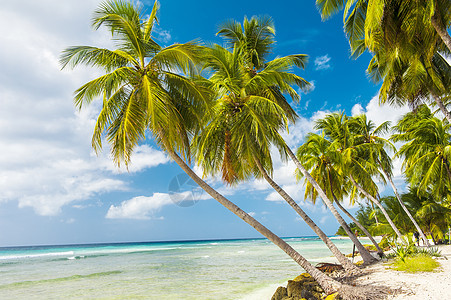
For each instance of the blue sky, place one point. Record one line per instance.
(55, 190)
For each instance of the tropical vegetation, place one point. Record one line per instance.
(226, 108)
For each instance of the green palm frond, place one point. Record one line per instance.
(150, 21)
(96, 57)
(141, 89)
(104, 85)
(328, 7)
(127, 129)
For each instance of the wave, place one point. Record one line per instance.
(79, 253)
(51, 254)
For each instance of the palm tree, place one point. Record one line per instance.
(320, 158)
(366, 256)
(256, 43)
(244, 125)
(358, 169)
(411, 79)
(435, 216)
(427, 152)
(255, 37)
(366, 133)
(143, 90)
(362, 18)
(405, 44)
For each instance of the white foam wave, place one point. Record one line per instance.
(11, 257)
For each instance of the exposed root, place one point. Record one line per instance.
(328, 267)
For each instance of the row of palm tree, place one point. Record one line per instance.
(432, 214)
(227, 119)
(224, 107)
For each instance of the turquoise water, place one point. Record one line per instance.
(226, 269)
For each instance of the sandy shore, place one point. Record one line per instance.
(430, 285)
(419, 286)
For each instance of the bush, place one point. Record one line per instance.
(419, 263)
(432, 252)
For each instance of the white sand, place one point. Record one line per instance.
(424, 286)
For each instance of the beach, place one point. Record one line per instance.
(402, 285)
(249, 269)
(425, 286)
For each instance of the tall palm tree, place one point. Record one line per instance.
(238, 135)
(366, 133)
(427, 151)
(360, 170)
(361, 18)
(142, 90)
(411, 79)
(255, 37)
(435, 216)
(256, 43)
(366, 256)
(405, 43)
(320, 158)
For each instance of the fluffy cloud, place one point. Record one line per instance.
(145, 208)
(140, 208)
(46, 160)
(322, 62)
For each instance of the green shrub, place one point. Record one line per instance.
(419, 263)
(402, 252)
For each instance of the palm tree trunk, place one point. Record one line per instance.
(423, 237)
(328, 284)
(365, 231)
(442, 32)
(347, 265)
(441, 106)
(445, 161)
(366, 256)
(373, 199)
(375, 216)
(432, 236)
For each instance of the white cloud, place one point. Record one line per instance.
(252, 214)
(379, 113)
(162, 35)
(322, 62)
(357, 110)
(324, 219)
(144, 208)
(46, 160)
(140, 208)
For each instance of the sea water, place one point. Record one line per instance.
(224, 269)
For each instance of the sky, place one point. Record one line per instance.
(55, 190)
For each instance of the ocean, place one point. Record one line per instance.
(225, 269)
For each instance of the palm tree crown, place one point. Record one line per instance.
(141, 88)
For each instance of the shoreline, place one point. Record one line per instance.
(411, 286)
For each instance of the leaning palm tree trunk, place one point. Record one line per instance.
(328, 284)
(347, 265)
(442, 32)
(423, 237)
(365, 231)
(442, 106)
(377, 202)
(366, 256)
